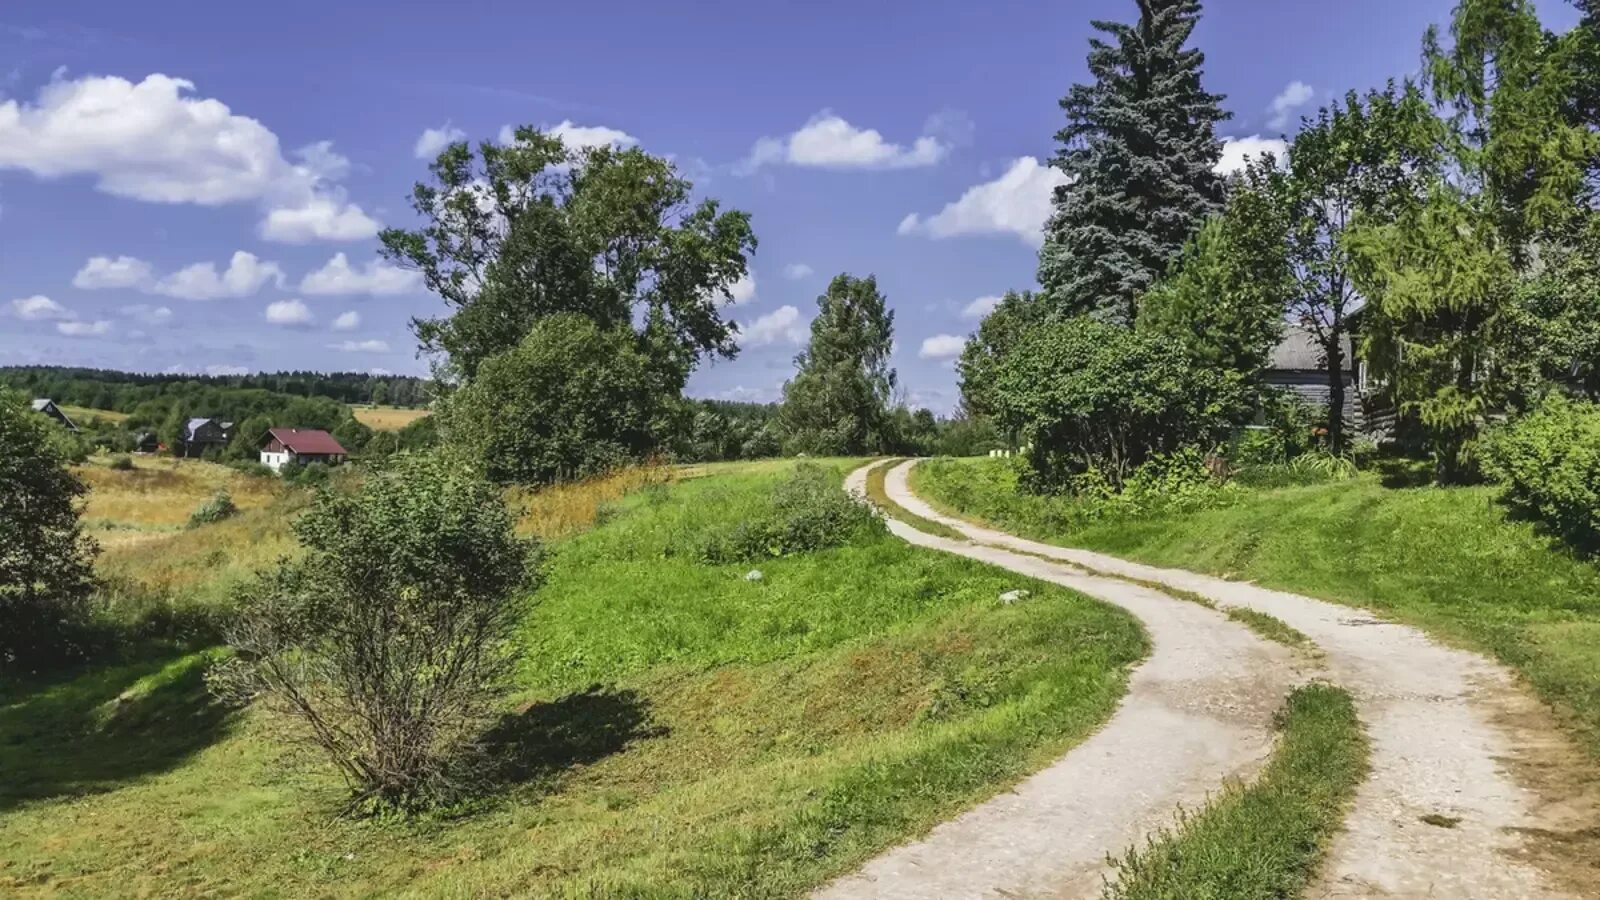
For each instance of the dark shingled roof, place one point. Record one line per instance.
(311, 441)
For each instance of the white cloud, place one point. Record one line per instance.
(942, 346)
(742, 291)
(829, 142)
(288, 312)
(103, 272)
(39, 308)
(1018, 202)
(434, 140)
(1294, 96)
(980, 307)
(797, 271)
(348, 321)
(84, 329)
(578, 137)
(245, 276)
(370, 346)
(782, 324)
(220, 371)
(1236, 152)
(154, 141)
(320, 218)
(149, 315)
(377, 278)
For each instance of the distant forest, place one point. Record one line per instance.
(124, 391)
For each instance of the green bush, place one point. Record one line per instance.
(121, 463)
(1549, 465)
(216, 509)
(1317, 467)
(252, 468)
(808, 512)
(307, 475)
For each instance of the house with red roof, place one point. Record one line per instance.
(300, 446)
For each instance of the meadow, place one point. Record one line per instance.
(386, 418)
(679, 728)
(1449, 560)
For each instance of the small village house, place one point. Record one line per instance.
(1299, 365)
(202, 435)
(49, 408)
(301, 446)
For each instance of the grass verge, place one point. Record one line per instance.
(1264, 840)
(1448, 560)
(879, 495)
(680, 730)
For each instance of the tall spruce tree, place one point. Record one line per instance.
(1140, 146)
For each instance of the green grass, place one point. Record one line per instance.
(1265, 840)
(1270, 627)
(685, 732)
(879, 495)
(1448, 560)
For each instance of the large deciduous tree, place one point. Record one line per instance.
(46, 563)
(1139, 148)
(999, 331)
(838, 401)
(521, 231)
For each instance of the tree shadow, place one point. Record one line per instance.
(1400, 472)
(88, 732)
(534, 748)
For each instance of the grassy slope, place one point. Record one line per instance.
(1446, 559)
(688, 732)
(1265, 840)
(386, 418)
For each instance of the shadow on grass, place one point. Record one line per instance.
(1404, 472)
(90, 732)
(539, 745)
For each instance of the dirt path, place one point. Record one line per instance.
(1443, 744)
(1198, 711)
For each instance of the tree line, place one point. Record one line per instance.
(123, 391)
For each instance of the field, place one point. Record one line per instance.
(81, 415)
(680, 729)
(386, 418)
(1446, 559)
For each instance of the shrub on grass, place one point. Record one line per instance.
(219, 507)
(1549, 465)
(307, 475)
(121, 464)
(1317, 467)
(808, 512)
(251, 468)
(388, 645)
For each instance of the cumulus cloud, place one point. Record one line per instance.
(434, 140)
(742, 291)
(827, 141)
(1018, 202)
(377, 278)
(84, 329)
(348, 321)
(980, 307)
(368, 346)
(149, 315)
(782, 324)
(288, 312)
(1237, 152)
(578, 137)
(39, 308)
(318, 219)
(155, 141)
(103, 272)
(797, 271)
(245, 276)
(942, 346)
(1294, 96)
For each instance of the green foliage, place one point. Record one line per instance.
(352, 435)
(1139, 148)
(216, 509)
(519, 232)
(1225, 300)
(1091, 396)
(1549, 465)
(570, 400)
(998, 333)
(386, 645)
(1315, 467)
(133, 392)
(808, 512)
(305, 474)
(838, 401)
(1263, 841)
(46, 563)
(1559, 306)
(252, 468)
(121, 464)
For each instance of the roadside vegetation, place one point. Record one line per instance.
(1266, 839)
(880, 498)
(672, 727)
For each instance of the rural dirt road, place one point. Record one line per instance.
(1452, 737)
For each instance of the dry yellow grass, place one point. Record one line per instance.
(563, 509)
(82, 414)
(159, 494)
(386, 418)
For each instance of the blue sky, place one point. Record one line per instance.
(179, 179)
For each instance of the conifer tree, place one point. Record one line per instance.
(1140, 146)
